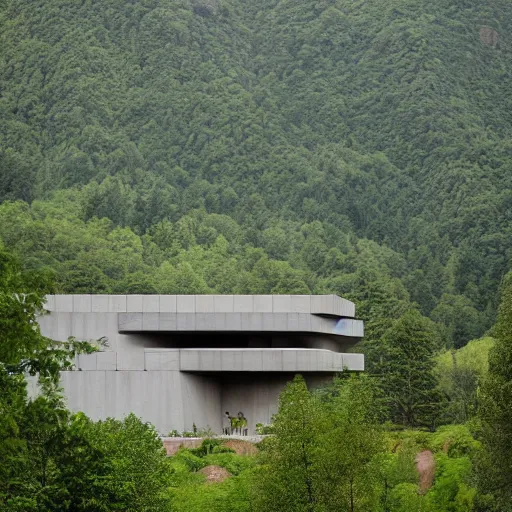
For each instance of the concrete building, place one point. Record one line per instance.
(179, 360)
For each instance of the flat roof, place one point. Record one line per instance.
(328, 305)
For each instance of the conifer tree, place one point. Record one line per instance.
(324, 452)
(496, 408)
(351, 441)
(406, 371)
(287, 482)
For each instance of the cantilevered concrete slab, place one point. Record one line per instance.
(172, 359)
(247, 322)
(251, 360)
(315, 304)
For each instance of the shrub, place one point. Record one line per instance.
(455, 441)
(262, 429)
(235, 464)
(209, 446)
(191, 461)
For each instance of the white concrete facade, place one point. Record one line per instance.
(179, 360)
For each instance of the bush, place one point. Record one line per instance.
(191, 461)
(234, 463)
(222, 449)
(455, 441)
(262, 429)
(209, 446)
(264, 444)
(185, 433)
(420, 438)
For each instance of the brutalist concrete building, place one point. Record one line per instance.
(179, 360)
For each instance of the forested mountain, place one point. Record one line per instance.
(263, 146)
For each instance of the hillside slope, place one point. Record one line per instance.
(357, 147)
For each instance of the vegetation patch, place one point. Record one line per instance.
(359, 148)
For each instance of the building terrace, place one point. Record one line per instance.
(179, 360)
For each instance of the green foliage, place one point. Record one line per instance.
(234, 463)
(34, 440)
(452, 487)
(358, 148)
(232, 495)
(475, 356)
(53, 461)
(262, 429)
(451, 492)
(190, 493)
(139, 470)
(187, 459)
(405, 369)
(362, 154)
(496, 412)
(209, 446)
(66, 463)
(288, 480)
(352, 441)
(324, 453)
(21, 300)
(460, 375)
(455, 441)
(185, 433)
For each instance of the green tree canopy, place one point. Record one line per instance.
(405, 364)
(496, 412)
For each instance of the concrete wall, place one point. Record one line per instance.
(168, 399)
(175, 388)
(257, 396)
(201, 398)
(176, 400)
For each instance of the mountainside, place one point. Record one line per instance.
(355, 147)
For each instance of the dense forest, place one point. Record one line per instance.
(355, 147)
(360, 148)
(429, 433)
